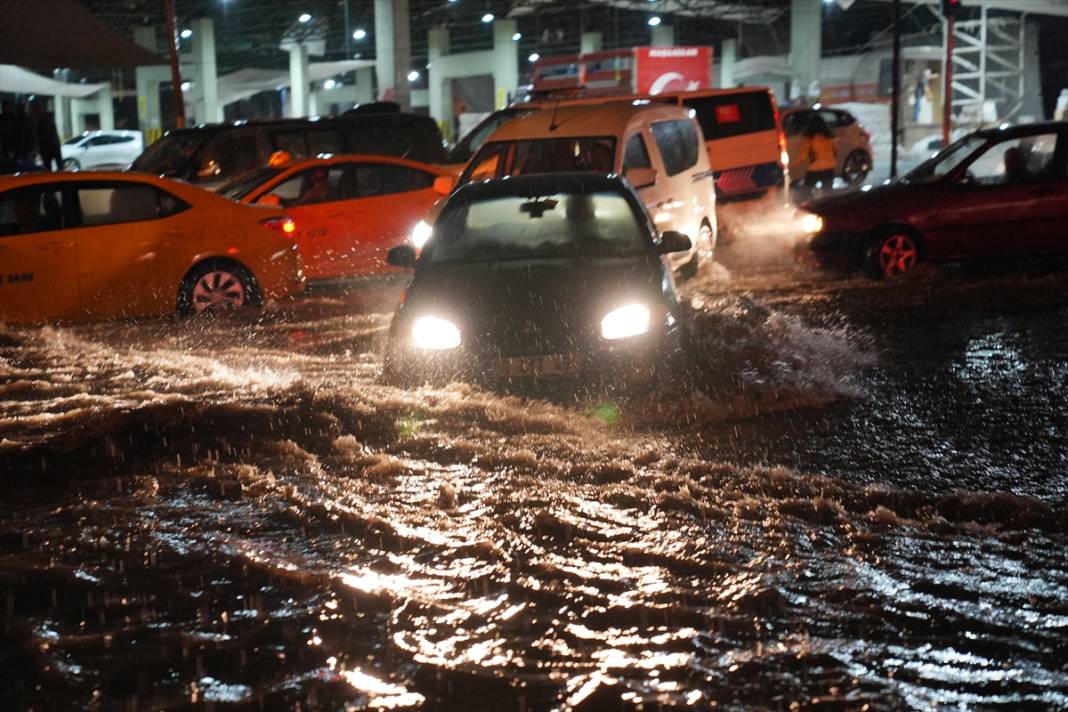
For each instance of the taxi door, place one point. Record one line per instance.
(391, 200)
(38, 263)
(319, 201)
(125, 250)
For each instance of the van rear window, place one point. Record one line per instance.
(733, 114)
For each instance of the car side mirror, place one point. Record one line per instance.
(401, 256)
(443, 184)
(672, 241)
(270, 199)
(641, 177)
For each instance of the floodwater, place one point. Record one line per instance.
(859, 500)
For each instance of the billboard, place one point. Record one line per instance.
(660, 69)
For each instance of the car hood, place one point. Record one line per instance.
(534, 306)
(861, 208)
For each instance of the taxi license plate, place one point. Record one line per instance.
(533, 366)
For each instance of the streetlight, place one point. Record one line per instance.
(534, 57)
(359, 34)
(654, 21)
(517, 36)
(304, 18)
(186, 34)
(488, 17)
(413, 75)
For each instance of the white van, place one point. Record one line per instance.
(657, 147)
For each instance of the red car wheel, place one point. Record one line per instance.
(892, 254)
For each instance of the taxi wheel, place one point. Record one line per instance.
(217, 287)
(891, 253)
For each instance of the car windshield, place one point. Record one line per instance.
(240, 187)
(171, 155)
(946, 161)
(545, 226)
(587, 154)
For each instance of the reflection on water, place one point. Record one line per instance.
(229, 513)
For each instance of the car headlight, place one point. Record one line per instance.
(435, 334)
(811, 223)
(420, 234)
(631, 320)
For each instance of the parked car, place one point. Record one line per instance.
(98, 245)
(852, 140)
(212, 156)
(538, 276)
(102, 149)
(656, 147)
(349, 210)
(995, 192)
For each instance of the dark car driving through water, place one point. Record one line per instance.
(994, 193)
(545, 276)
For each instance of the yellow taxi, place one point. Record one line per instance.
(97, 245)
(349, 210)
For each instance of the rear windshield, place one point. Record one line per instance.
(733, 114)
(238, 189)
(548, 226)
(593, 154)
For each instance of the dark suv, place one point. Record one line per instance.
(210, 156)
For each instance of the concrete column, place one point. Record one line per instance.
(106, 109)
(393, 50)
(728, 52)
(805, 46)
(505, 62)
(663, 36)
(60, 109)
(148, 81)
(204, 56)
(439, 88)
(590, 42)
(385, 68)
(365, 85)
(298, 80)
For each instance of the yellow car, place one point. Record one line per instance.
(99, 245)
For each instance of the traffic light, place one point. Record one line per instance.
(950, 8)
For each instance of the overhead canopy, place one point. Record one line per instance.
(17, 80)
(62, 33)
(246, 82)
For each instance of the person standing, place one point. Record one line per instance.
(48, 139)
(819, 147)
(26, 148)
(8, 130)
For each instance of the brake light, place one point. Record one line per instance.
(283, 225)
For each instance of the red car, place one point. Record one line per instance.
(994, 192)
(349, 210)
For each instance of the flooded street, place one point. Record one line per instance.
(857, 499)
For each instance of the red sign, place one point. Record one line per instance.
(661, 69)
(728, 114)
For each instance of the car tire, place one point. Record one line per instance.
(856, 167)
(217, 287)
(704, 237)
(891, 252)
(71, 164)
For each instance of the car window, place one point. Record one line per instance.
(228, 156)
(109, 204)
(122, 139)
(733, 114)
(292, 142)
(520, 227)
(635, 154)
(384, 179)
(1018, 160)
(677, 141)
(313, 186)
(99, 141)
(945, 162)
(32, 209)
(592, 154)
(833, 119)
(243, 185)
(795, 122)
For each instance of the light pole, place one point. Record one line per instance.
(176, 74)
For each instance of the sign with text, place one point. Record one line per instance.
(661, 69)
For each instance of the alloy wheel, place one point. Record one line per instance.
(897, 255)
(218, 290)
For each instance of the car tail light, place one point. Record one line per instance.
(283, 225)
